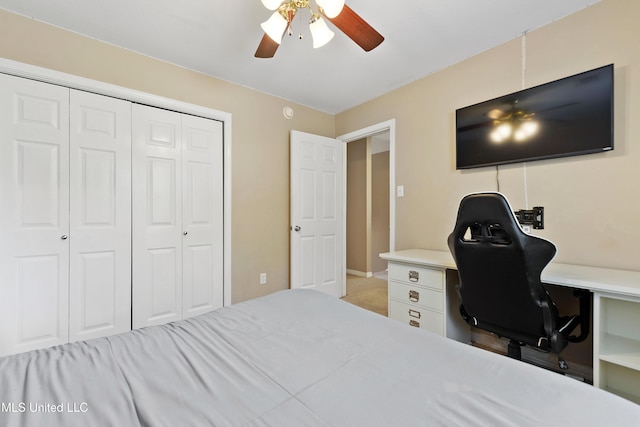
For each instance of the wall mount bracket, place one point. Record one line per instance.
(533, 217)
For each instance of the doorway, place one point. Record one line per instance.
(375, 147)
(367, 204)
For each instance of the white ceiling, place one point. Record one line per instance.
(219, 38)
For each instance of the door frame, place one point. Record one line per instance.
(46, 75)
(389, 125)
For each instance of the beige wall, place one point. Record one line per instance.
(367, 207)
(260, 150)
(592, 202)
(379, 210)
(357, 217)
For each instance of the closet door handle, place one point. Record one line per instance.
(184, 233)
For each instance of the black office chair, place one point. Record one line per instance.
(500, 290)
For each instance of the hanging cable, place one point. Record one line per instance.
(523, 47)
(524, 57)
(526, 191)
(498, 178)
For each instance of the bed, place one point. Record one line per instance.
(293, 358)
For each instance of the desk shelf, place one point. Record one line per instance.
(617, 355)
(620, 351)
(619, 380)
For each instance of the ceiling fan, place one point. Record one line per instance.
(338, 13)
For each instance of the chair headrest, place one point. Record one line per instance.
(487, 218)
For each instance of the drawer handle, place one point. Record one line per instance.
(414, 313)
(414, 323)
(414, 276)
(414, 296)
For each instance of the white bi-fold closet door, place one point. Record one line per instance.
(177, 215)
(70, 215)
(65, 216)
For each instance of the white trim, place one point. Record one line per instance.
(33, 72)
(389, 125)
(359, 273)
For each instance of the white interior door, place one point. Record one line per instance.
(100, 206)
(157, 216)
(317, 185)
(202, 215)
(34, 214)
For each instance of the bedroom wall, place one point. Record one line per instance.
(367, 207)
(357, 236)
(379, 210)
(260, 150)
(592, 202)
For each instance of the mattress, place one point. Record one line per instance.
(293, 358)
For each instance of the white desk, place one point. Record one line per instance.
(418, 295)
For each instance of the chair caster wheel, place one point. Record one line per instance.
(563, 364)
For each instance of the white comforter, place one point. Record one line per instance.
(294, 358)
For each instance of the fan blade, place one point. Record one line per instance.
(357, 29)
(267, 48)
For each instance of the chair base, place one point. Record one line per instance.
(514, 350)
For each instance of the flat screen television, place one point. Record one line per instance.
(566, 117)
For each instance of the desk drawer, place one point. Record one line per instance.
(415, 295)
(416, 316)
(420, 276)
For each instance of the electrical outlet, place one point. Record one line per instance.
(400, 191)
(526, 229)
(263, 278)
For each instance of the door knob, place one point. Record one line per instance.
(185, 233)
(297, 228)
(64, 237)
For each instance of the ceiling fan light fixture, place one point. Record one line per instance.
(274, 26)
(331, 8)
(320, 32)
(334, 11)
(271, 4)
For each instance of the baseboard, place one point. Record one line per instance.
(359, 273)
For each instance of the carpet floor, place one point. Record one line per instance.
(369, 293)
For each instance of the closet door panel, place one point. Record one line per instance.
(157, 216)
(202, 214)
(34, 216)
(100, 238)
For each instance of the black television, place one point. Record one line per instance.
(567, 117)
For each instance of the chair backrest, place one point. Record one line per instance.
(500, 266)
